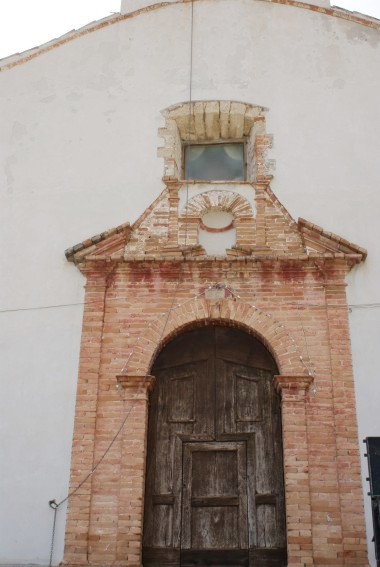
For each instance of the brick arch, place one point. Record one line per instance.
(218, 200)
(213, 119)
(273, 334)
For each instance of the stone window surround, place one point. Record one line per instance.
(216, 121)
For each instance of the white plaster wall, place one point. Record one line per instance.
(78, 143)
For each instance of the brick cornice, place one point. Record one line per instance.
(136, 386)
(180, 254)
(328, 240)
(294, 383)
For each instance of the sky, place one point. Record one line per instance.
(27, 23)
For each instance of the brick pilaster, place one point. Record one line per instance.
(132, 482)
(347, 451)
(173, 214)
(260, 216)
(82, 462)
(296, 468)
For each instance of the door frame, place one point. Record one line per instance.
(191, 445)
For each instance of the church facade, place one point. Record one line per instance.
(214, 416)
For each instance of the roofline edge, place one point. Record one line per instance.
(30, 54)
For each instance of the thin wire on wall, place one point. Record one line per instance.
(305, 304)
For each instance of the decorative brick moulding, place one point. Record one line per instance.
(283, 283)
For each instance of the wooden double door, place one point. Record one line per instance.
(214, 483)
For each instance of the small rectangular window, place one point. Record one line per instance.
(215, 162)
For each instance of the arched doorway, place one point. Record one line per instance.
(214, 481)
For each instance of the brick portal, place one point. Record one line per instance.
(284, 283)
(299, 312)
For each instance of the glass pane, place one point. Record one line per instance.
(215, 162)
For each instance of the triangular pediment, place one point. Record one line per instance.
(172, 228)
(318, 240)
(104, 246)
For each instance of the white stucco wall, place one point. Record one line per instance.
(78, 144)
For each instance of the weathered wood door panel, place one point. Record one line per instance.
(214, 483)
(214, 497)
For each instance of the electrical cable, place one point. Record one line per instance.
(85, 303)
(190, 113)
